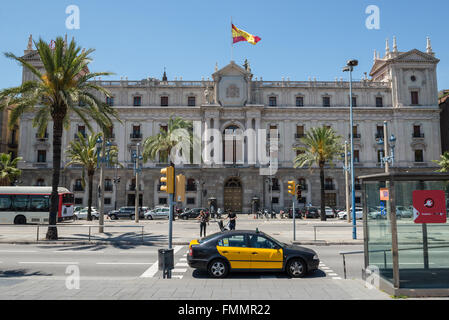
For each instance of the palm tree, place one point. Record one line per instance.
(321, 145)
(178, 133)
(63, 88)
(8, 169)
(443, 162)
(84, 152)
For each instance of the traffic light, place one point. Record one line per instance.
(298, 191)
(291, 187)
(180, 188)
(168, 180)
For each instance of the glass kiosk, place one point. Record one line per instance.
(406, 232)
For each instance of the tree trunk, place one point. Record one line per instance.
(90, 177)
(52, 233)
(323, 194)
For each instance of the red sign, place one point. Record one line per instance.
(429, 206)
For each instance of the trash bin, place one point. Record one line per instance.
(166, 261)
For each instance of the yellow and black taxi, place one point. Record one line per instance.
(223, 252)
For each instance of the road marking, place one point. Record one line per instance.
(18, 251)
(177, 276)
(182, 264)
(325, 268)
(151, 271)
(336, 278)
(47, 262)
(179, 270)
(124, 263)
(333, 274)
(183, 259)
(76, 251)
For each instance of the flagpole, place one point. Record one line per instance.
(232, 43)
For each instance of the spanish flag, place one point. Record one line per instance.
(240, 35)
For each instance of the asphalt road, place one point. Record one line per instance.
(129, 262)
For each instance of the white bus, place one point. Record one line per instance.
(22, 205)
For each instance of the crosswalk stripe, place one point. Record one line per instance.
(179, 270)
(177, 276)
(333, 274)
(182, 264)
(336, 278)
(151, 271)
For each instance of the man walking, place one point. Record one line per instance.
(232, 219)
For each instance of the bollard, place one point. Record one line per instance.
(314, 231)
(37, 236)
(89, 233)
(142, 236)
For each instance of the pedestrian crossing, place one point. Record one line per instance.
(181, 268)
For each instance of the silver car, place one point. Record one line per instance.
(157, 213)
(82, 214)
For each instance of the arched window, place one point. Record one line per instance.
(191, 185)
(302, 182)
(233, 146)
(40, 182)
(329, 184)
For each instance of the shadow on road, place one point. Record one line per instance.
(201, 274)
(21, 273)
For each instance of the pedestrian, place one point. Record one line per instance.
(232, 219)
(204, 219)
(219, 212)
(281, 214)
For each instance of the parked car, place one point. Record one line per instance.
(403, 212)
(311, 212)
(298, 213)
(330, 213)
(192, 213)
(157, 213)
(82, 214)
(228, 251)
(358, 214)
(125, 212)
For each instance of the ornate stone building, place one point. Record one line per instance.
(402, 90)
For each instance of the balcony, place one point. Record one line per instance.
(108, 188)
(418, 135)
(190, 188)
(356, 136)
(329, 187)
(132, 187)
(78, 188)
(135, 136)
(82, 133)
(42, 138)
(379, 136)
(299, 135)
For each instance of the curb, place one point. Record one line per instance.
(99, 242)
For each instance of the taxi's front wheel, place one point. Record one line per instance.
(218, 268)
(296, 268)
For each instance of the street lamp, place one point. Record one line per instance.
(137, 157)
(350, 68)
(387, 159)
(103, 149)
(346, 169)
(116, 181)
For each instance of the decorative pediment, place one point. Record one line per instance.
(415, 56)
(232, 69)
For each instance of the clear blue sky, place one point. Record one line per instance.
(300, 39)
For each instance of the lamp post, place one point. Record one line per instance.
(350, 68)
(387, 157)
(137, 157)
(103, 148)
(116, 182)
(346, 169)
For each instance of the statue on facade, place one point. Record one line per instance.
(207, 95)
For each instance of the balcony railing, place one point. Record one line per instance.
(379, 135)
(108, 188)
(190, 188)
(135, 135)
(78, 188)
(299, 135)
(132, 187)
(44, 137)
(418, 135)
(356, 136)
(329, 187)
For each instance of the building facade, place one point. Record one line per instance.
(402, 89)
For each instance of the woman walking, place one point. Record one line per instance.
(204, 219)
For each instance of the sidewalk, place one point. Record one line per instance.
(155, 232)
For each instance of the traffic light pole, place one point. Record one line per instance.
(294, 221)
